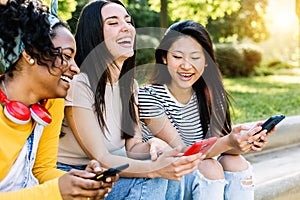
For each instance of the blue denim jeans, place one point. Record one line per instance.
(186, 189)
(132, 188)
(138, 188)
(236, 186)
(196, 186)
(67, 168)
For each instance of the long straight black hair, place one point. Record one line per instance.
(94, 58)
(213, 101)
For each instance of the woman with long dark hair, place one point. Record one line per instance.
(101, 117)
(185, 102)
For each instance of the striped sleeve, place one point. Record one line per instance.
(150, 105)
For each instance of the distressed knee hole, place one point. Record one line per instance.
(247, 181)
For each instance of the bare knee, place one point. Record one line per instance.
(233, 163)
(211, 169)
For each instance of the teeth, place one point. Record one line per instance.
(186, 75)
(65, 78)
(124, 40)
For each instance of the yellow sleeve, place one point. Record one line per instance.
(49, 190)
(45, 165)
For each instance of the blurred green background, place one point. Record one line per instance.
(256, 42)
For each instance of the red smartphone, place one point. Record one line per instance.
(202, 146)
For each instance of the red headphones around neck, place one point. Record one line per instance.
(19, 113)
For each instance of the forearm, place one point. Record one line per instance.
(222, 145)
(164, 130)
(233, 152)
(139, 151)
(173, 140)
(136, 169)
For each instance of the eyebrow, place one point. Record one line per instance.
(68, 48)
(178, 51)
(115, 17)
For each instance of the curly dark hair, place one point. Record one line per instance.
(29, 19)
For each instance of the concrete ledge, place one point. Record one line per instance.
(276, 172)
(285, 188)
(277, 167)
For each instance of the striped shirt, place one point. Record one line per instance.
(156, 101)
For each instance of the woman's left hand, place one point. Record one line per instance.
(157, 147)
(244, 142)
(258, 145)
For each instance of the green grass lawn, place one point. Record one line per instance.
(257, 98)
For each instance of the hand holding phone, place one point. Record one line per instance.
(271, 123)
(110, 172)
(202, 146)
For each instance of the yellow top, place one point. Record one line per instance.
(13, 137)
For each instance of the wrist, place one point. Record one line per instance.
(152, 174)
(226, 141)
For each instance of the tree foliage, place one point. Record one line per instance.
(75, 15)
(65, 8)
(247, 22)
(199, 10)
(141, 13)
(230, 20)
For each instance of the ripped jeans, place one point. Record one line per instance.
(196, 186)
(239, 184)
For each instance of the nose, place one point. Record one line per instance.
(125, 26)
(74, 68)
(186, 64)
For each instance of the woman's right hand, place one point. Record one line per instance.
(172, 165)
(78, 184)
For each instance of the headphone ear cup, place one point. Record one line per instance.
(17, 112)
(40, 114)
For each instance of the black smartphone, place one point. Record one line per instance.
(271, 123)
(110, 172)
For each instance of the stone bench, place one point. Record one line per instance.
(277, 167)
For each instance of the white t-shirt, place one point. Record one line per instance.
(81, 95)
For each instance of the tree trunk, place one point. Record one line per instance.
(164, 13)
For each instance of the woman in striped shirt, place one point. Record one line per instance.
(186, 102)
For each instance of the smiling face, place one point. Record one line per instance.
(57, 82)
(186, 63)
(118, 31)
